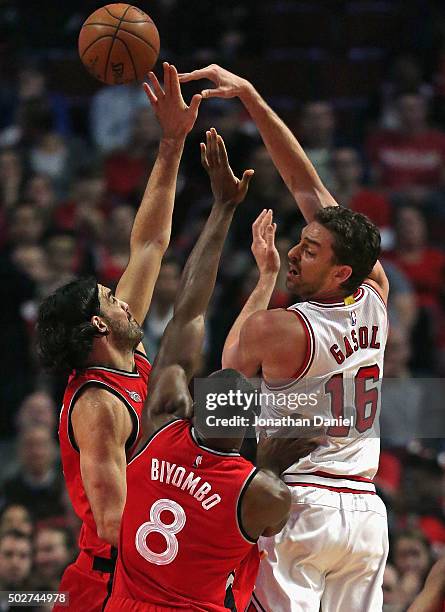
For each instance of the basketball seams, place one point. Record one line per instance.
(95, 41)
(114, 38)
(148, 20)
(140, 38)
(130, 56)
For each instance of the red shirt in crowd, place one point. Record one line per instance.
(403, 160)
(426, 273)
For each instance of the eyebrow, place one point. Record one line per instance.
(310, 240)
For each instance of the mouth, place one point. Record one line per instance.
(293, 272)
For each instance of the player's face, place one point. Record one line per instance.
(312, 271)
(121, 323)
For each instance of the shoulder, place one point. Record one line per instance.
(270, 323)
(98, 411)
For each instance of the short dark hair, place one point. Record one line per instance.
(64, 332)
(16, 534)
(356, 242)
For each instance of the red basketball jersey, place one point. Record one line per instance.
(131, 388)
(181, 537)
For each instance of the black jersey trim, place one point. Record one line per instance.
(206, 448)
(111, 578)
(133, 415)
(153, 436)
(244, 488)
(143, 355)
(257, 602)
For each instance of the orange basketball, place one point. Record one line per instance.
(119, 44)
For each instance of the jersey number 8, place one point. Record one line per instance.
(168, 530)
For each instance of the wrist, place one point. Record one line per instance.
(246, 91)
(267, 278)
(171, 146)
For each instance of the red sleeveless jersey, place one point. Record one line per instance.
(131, 388)
(181, 538)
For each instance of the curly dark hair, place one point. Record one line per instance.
(64, 332)
(356, 242)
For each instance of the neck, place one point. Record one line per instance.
(224, 445)
(108, 356)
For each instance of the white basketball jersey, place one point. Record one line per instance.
(339, 380)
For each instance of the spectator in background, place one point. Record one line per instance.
(406, 76)
(39, 190)
(412, 559)
(411, 158)
(317, 129)
(126, 169)
(424, 266)
(87, 206)
(111, 115)
(38, 483)
(111, 257)
(26, 225)
(402, 396)
(161, 309)
(393, 596)
(53, 551)
(402, 308)
(37, 409)
(64, 258)
(349, 191)
(11, 178)
(16, 517)
(15, 560)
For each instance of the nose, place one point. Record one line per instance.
(294, 253)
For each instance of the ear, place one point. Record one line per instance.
(342, 273)
(100, 324)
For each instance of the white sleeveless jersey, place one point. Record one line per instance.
(340, 381)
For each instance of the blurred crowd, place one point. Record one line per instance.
(72, 172)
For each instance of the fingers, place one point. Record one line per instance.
(167, 79)
(202, 73)
(247, 176)
(222, 150)
(204, 160)
(159, 93)
(150, 95)
(175, 88)
(217, 92)
(265, 223)
(270, 235)
(257, 224)
(212, 147)
(194, 104)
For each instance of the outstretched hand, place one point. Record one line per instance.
(263, 243)
(226, 187)
(175, 117)
(227, 84)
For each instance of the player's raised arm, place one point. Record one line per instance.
(287, 154)
(150, 235)
(268, 262)
(182, 341)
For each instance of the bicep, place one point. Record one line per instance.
(181, 344)
(379, 279)
(101, 426)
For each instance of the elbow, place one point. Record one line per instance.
(157, 243)
(108, 530)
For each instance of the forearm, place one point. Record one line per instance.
(258, 300)
(199, 275)
(153, 220)
(287, 154)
